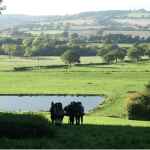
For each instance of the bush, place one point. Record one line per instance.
(17, 126)
(136, 106)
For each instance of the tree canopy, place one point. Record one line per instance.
(70, 56)
(2, 8)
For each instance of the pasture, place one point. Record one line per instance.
(78, 22)
(138, 14)
(106, 127)
(46, 32)
(140, 22)
(133, 33)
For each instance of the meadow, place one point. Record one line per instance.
(138, 14)
(107, 127)
(133, 33)
(46, 32)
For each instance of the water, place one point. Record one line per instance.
(35, 103)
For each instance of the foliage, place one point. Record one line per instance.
(17, 50)
(75, 41)
(135, 44)
(74, 35)
(2, 8)
(147, 52)
(106, 41)
(139, 101)
(135, 53)
(108, 57)
(66, 27)
(28, 51)
(64, 34)
(70, 56)
(23, 126)
(121, 55)
(7, 48)
(115, 53)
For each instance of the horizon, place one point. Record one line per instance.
(54, 8)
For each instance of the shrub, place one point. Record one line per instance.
(136, 106)
(17, 126)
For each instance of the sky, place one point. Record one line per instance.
(63, 7)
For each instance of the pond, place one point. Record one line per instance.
(35, 103)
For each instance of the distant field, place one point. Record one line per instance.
(138, 14)
(9, 63)
(142, 22)
(78, 22)
(46, 32)
(133, 33)
(120, 45)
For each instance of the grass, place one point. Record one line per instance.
(46, 32)
(106, 127)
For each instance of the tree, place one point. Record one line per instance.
(7, 48)
(115, 53)
(27, 42)
(18, 50)
(58, 27)
(75, 41)
(2, 8)
(41, 34)
(6, 33)
(28, 51)
(66, 27)
(84, 39)
(74, 35)
(37, 41)
(135, 53)
(64, 34)
(106, 41)
(108, 57)
(148, 53)
(148, 39)
(121, 55)
(70, 56)
(91, 38)
(135, 44)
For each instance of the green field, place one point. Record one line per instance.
(101, 130)
(46, 32)
(138, 14)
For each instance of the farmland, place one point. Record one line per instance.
(138, 14)
(133, 33)
(106, 127)
(140, 22)
(77, 22)
(46, 32)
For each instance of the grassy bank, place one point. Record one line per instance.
(106, 127)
